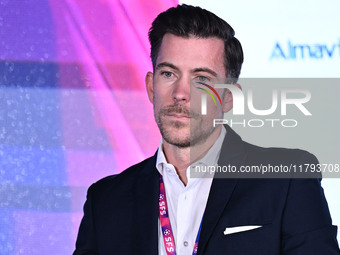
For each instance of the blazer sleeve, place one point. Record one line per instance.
(86, 241)
(306, 221)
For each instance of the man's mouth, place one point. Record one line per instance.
(178, 116)
(179, 113)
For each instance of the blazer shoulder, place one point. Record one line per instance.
(126, 178)
(279, 154)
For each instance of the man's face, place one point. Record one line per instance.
(182, 65)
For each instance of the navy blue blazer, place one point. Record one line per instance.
(121, 211)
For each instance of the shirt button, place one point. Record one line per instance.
(186, 243)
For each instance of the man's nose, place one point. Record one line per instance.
(181, 91)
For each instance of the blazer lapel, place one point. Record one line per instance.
(147, 193)
(146, 210)
(232, 153)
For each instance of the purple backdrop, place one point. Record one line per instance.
(73, 109)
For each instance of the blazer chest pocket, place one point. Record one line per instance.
(245, 227)
(245, 237)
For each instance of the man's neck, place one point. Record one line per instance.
(182, 158)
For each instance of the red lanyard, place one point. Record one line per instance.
(168, 238)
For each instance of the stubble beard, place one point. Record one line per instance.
(169, 131)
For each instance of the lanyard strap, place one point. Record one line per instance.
(168, 238)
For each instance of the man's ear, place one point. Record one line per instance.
(228, 99)
(149, 85)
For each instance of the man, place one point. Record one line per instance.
(157, 207)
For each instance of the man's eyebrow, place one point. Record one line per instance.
(203, 69)
(195, 70)
(166, 64)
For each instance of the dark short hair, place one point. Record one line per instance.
(186, 21)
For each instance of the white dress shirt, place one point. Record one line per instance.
(186, 204)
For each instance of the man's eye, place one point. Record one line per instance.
(203, 79)
(167, 74)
